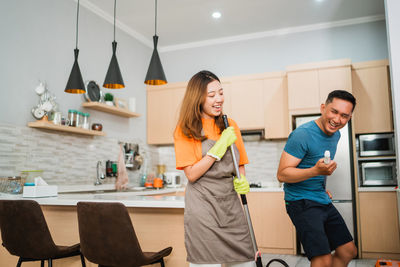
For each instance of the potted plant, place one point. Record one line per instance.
(108, 98)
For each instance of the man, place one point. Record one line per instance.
(303, 171)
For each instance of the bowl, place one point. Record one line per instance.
(148, 185)
(97, 126)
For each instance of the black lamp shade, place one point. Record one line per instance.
(114, 78)
(75, 83)
(155, 73)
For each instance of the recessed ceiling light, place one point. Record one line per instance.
(216, 15)
(319, 1)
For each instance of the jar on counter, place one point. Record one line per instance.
(72, 117)
(78, 119)
(14, 185)
(85, 121)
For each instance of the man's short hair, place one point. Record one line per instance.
(341, 94)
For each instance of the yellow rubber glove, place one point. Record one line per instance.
(241, 186)
(228, 137)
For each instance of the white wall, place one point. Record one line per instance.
(38, 41)
(360, 42)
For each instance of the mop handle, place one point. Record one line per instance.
(244, 199)
(235, 164)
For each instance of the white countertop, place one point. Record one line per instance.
(127, 198)
(71, 195)
(68, 196)
(267, 189)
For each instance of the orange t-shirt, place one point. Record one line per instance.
(188, 150)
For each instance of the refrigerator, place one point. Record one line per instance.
(341, 182)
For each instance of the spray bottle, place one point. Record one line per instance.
(327, 157)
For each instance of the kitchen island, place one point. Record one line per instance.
(157, 216)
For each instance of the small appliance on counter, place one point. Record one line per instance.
(133, 160)
(173, 179)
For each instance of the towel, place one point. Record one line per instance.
(122, 180)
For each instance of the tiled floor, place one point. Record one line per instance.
(301, 261)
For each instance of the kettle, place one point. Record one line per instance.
(173, 179)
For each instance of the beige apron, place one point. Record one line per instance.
(216, 230)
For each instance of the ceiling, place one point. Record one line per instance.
(184, 23)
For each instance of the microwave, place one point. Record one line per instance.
(378, 172)
(381, 144)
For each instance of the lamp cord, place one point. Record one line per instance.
(77, 21)
(155, 24)
(115, 8)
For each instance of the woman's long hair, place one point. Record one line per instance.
(192, 106)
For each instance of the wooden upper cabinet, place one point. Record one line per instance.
(303, 89)
(371, 87)
(276, 106)
(309, 84)
(163, 106)
(337, 78)
(247, 107)
(258, 101)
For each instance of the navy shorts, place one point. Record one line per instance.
(321, 228)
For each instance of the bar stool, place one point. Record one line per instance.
(107, 237)
(25, 234)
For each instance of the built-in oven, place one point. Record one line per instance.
(378, 171)
(381, 144)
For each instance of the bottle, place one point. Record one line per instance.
(72, 117)
(114, 168)
(109, 168)
(78, 118)
(85, 121)
(143, 176)
(143, 179)
(327, 157)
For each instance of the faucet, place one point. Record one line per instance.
(99, 174)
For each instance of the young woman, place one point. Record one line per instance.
(216, 230)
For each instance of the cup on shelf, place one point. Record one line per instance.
(57, 118)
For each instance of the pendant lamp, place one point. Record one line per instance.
(75, 83)
(113, 77)
(155, 73)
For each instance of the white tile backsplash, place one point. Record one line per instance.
(263, 160)
(70, 159)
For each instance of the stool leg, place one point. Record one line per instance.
(50, 262)
(162, 262)
(42, 263)
(19, 262)
(83, 260)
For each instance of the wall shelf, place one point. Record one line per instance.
(50, 126)
(110, 109)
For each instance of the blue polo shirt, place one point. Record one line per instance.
(308, 143)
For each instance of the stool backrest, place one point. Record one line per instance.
(107, 236)
(24, 230)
